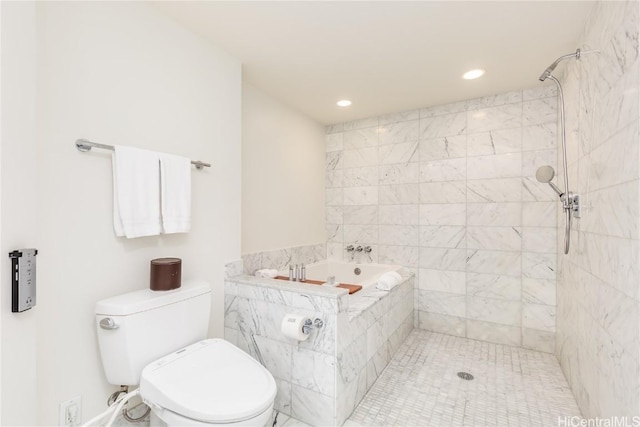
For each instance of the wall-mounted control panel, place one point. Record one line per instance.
(23, 279)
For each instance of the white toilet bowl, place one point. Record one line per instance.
(211, 382)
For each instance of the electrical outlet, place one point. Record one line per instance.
(70, 412)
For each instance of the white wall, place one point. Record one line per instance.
(116, 73)
(282, 175)
(19, 204)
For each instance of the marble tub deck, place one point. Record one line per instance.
(512, 387)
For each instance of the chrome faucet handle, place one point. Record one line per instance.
(350, 248)
(367, 249)
(359, 249)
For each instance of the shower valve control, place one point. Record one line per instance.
(23, 279)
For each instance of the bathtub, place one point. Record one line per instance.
(323, 378)
(366, 275)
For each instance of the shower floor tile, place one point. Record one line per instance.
(511, 386)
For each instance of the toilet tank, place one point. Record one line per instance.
(146, 325)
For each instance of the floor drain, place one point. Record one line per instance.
(465, 376)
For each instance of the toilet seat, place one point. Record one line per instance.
(210, 381)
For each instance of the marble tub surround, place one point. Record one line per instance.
(315, 377)
(598, 318)
(450, 193)
(280, 259)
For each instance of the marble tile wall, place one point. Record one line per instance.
(280, 259)
(450, 192)
(598, 317)
(322, 379)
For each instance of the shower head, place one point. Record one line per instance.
(545, 174)
(545, 75)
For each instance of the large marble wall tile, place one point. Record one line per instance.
(493, 286)
(513, 97)
(443, 170)
(361, 196)
(537, 316)
(369, 122)
(334, 142)
(497, 238)
(334, 196)
(439, 110)
(539, 266)
(545, 90)
(493, 310)
(360, 177)
(443, 259)
(402, 235)
(535, 339)
(494, 190)
(493, 332)
(402, 153)
(540, 137)
(494, 214)
(448, 147)
(399, 194)
(507, 116)
(399, 173)
(360, 234)
(495, 166)
(539, 111)
(399, 255)
(399, 132)
(495, 142)
(539, 214)
(443, 125)
(442, 323)
(334, 215)
(496, 262)
(537, 239)
(442, 303)
(443, 214)
(539, 291)
(443, 236)
(360, 157)
(443, 192)
(312, 407)
(399, 214)
(313, 371)
(532, 160)
(452, 282)
(403, 116)
(361, 138)
(361, 215)
(534, 191)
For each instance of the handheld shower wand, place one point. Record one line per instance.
(570, 201)
(544, 174)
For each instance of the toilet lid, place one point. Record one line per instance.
(210, 381)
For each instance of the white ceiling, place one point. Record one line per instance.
(385, 56)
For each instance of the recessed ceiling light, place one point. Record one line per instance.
(473, 74)
(343, 103)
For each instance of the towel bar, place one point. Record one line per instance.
(85, 145)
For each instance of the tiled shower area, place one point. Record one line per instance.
(449, 193)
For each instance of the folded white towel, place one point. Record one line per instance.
(388, 281)
(266, 273)
(136, 192)
(175, 178)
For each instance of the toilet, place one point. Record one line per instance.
(157, 340)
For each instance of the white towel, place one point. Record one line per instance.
(266, 273)
(136, 192)
(388, 281)
(175, 177)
